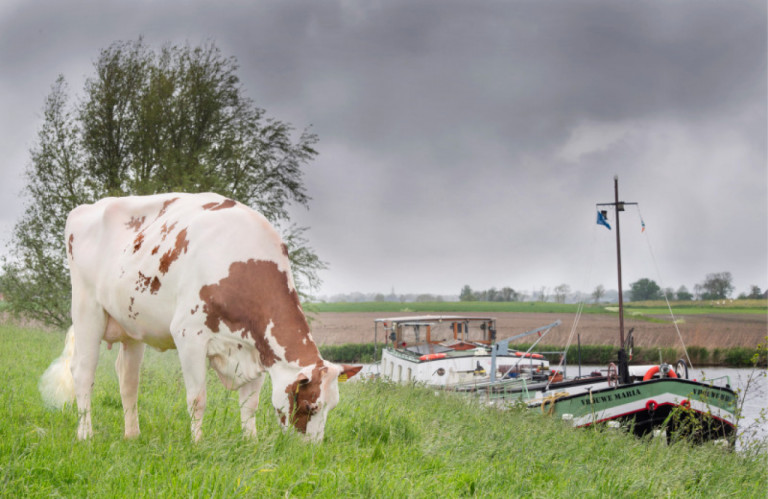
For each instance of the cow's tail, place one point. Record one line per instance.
(57, 385)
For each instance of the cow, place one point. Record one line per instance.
(205, 275)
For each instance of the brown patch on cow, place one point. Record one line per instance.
(303, 395)
(172, 254)
(69, 245)
(155, 286)
(253, 294)
(285, 250)
(239, 346)
(144, 283)
(166, 204)
(155, 250)
(135, 223)
(166, 229)
(227, 203)
(194, 310)
(138, 242)
(131, 313)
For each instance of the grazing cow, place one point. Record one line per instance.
(205, 275)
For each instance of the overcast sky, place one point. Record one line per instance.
(467, 142)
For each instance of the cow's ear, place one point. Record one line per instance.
(302, 379)
(348, 371)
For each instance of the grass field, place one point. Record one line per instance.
(381, 441)
(641, 308)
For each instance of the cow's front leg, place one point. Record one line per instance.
(193, 368)
(127, 367)
(249, 402)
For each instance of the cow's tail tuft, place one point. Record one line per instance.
(57, 385)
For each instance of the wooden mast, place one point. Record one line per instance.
(619, 207)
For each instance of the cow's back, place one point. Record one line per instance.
(146, 259)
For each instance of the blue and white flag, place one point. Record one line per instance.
(602, 221)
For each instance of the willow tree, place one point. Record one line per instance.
(173, 119)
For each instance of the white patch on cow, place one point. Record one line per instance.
(234, 366)
(274, 345)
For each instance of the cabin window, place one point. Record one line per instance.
(399, 373)
(409, 374)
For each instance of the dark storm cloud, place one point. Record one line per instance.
(466, 142)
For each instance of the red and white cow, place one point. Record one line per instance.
(205, 275)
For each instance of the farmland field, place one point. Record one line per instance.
(709, 330)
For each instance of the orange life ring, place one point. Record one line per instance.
(432, 356)
(650, 372)
(686, 404)
(651, 405)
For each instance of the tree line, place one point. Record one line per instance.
(716, 286)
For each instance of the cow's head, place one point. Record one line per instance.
(310, 396)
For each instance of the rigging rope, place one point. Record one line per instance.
(663, 290)
(579, 309)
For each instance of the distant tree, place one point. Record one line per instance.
(683, 294)
(698, 290)
(425, 297)
(598, 293)
(173, 120)
(644, 289)
(543, 294)
(509, 294)
(379, 297)
(561, 292)
(754, 293)
(492, 295)
(466, 294)
(718, 286)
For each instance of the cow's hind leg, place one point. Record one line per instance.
(249, 402)
(193, 367)
(89, 322)
(127, 367)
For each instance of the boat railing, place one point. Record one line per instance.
(723, 381)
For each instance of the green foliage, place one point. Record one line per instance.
(150, 121)
(382, 440)
(350, 352)
(717, 286)
(644, 289)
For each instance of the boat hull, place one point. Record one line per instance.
(678, 406)
(451, 369)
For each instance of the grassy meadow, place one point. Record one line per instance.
(647, 308)
(381, 441)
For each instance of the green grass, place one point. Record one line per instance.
(381, 441)
(641, 308)
(448, 307)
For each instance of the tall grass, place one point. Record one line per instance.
(381, 441)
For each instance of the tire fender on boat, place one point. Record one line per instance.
(650, 372)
